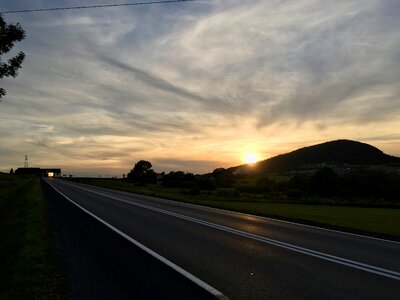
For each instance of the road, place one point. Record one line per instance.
(241, 256)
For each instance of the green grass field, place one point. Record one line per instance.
(383, 221)
(27, 269)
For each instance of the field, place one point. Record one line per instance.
(372, 220)
(28, 269)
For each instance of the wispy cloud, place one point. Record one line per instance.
(196, 85)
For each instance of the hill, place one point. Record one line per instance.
(333, 152)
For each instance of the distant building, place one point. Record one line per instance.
(39, 172)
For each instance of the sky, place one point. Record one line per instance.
(198, 85)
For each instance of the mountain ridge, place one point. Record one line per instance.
(341, 151)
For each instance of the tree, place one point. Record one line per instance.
(179, 179)
(9, 34)
(142, 172)
(11, 171)
(324, 182)
(265, 184)
(223, 178)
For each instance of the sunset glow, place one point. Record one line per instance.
(213, 84)
(250, 158)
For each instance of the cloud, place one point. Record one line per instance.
(150, 79)
(300, 60)
(196, 85)
(170, 164)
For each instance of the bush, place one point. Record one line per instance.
(324, 182)
(223, 178)
(265, 185)
(295, 194)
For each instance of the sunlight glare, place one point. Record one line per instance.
(250, 158)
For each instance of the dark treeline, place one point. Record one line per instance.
(359, 186)
(368, 186)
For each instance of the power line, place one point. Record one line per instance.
(94, 6)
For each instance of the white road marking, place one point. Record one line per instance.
(164, 260)
(336, 259)
(187, 204)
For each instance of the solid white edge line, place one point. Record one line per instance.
(246, 214)
(164, 260)
(336, 259)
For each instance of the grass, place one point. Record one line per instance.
(378, 221)
(27, 269)
(383, 221)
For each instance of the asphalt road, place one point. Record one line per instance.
(244, 256)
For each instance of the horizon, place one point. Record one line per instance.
(249, 160)
(200, 85)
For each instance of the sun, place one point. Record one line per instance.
(250, 158)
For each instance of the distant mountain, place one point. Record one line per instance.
(333, 152)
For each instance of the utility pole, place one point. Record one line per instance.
(26, 164)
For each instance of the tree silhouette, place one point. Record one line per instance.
(223, 177)
(142, 172)
(324, 182)
(9, 34)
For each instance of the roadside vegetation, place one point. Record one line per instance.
(362, 200)
(27, 269)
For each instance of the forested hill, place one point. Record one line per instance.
(333, 152)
